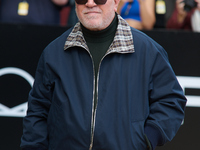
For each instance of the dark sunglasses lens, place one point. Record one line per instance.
(81, 2)
(98, 2)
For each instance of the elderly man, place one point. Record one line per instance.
(102, 85)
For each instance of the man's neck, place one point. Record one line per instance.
(92, 36)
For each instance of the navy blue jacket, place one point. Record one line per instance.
(139, 97)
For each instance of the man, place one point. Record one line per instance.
(102, 85)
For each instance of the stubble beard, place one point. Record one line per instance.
(95, 23)
(92, 22)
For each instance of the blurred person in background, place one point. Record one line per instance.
(68, 14)
(41, 12)
(73, 19)
(139, 14)
(186, 16)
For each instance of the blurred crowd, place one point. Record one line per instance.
(39, 12)
(140, 14)
(186, 16)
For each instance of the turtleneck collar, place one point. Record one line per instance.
(99, 36)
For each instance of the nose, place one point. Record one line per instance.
(90, 3)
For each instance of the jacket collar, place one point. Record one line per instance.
(122, 43)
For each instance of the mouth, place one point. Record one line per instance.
(92, 12)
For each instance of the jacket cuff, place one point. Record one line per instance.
(153, 135)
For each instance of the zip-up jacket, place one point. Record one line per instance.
(139, 100)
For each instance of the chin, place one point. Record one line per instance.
(93, 25)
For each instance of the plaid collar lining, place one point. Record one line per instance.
(122, 43)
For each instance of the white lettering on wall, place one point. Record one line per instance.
(192, 83)
(19, 110)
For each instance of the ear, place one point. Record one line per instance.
(116, 4)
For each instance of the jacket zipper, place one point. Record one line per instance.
(94, 109)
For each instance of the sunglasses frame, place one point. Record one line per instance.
(98, 2)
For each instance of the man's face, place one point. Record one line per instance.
(96, 17)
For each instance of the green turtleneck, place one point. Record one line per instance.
(98, 43)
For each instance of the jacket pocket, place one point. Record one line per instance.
(148, 143)
(138, 136)
(52, 123)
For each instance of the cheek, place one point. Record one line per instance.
(78, 10)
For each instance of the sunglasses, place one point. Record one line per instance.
(98, 2)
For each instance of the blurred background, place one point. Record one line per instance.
(27, 27)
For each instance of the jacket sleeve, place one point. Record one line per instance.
(35, 135)
(166, 101)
